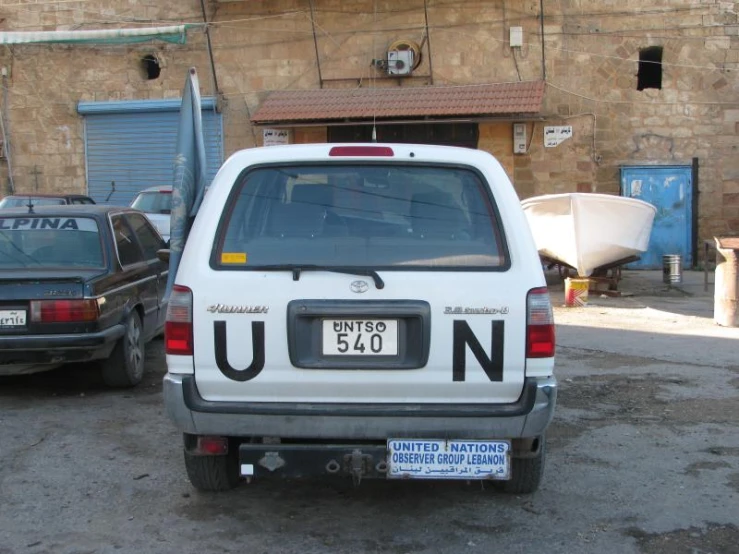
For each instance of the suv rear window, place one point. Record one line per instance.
(41, 242)
(23, 201)
(158, 202)
(369, 216)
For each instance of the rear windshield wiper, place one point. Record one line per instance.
(298, 268)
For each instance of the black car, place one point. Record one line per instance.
(23, 200)
(78, 284)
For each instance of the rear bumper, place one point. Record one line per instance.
(19, 350)
(527, 417)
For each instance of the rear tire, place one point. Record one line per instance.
(526, 473)
(125, 366)
(213, 473)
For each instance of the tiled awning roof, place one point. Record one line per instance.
(401, 102)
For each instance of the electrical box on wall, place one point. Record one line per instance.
(515, 37)
(519, 138)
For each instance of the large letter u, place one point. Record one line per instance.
(257, 345)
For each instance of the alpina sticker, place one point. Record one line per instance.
(233, 258)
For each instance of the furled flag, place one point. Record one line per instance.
(189, 174)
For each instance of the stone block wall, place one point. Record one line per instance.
(45, 82)
(592, 66)
(591, 53)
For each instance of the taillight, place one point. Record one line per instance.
(211, 446)
(178, 327)
(370, 151)
(64, 311)
(539, 324)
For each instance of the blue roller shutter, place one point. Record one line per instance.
(132, 144)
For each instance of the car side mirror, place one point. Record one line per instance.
(163, 255)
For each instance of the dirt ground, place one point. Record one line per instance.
(643, 458)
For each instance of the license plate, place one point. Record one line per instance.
(448, 459)
(11, 319)
(360, 337)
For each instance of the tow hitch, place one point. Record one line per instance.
(310, 460)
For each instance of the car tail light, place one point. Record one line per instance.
(211, 446)
(64, 311)
(368, 151)
(178, 327)
(539, 324)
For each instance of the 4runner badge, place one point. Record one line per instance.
(359, 286)
(226, 309)
(458, 310)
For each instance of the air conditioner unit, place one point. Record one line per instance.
(400, 62)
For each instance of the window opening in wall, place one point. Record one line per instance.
(650, 68)
(151, 66)
(446, 134)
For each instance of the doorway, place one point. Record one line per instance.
(670, 190)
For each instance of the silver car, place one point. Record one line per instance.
(156, 203)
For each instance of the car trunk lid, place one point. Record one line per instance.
(17, 293)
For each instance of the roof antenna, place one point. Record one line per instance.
(372, 82)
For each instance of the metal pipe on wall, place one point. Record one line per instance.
(5, 133)
(428, 40)
(315, 43)
(543, 55)
(216, 89)
(696, 206)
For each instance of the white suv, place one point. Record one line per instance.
(364, 310)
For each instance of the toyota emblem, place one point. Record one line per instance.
(359, 286)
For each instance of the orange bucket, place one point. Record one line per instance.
(576, 292)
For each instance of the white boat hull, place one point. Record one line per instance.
(587, 230)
